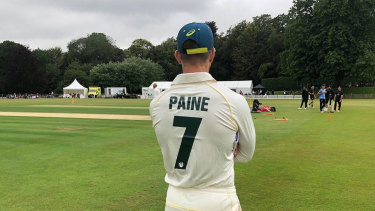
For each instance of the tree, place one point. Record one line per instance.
(163, 54)
(276, 45)
(19, 70)
(269, 42)
(296, 57)
(244, 56)
(257, 48)
(96, 48)
(330, 40)
(221, 69)
(365, 64)
(140, 48)
(50, 62)
(212, 25)
(225, 44)
(133, 73)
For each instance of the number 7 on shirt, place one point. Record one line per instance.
(191, 124)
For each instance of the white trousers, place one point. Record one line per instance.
(208, 199)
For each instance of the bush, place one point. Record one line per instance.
(133, 73)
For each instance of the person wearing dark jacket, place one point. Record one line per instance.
(338, 98)
(305, 97)
(312, 96)
(329, 96)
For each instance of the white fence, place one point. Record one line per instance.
(274, 97)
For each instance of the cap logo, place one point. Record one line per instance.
(191, 32)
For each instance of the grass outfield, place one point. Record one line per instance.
(306, 163)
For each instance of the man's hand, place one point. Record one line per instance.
(236, 151)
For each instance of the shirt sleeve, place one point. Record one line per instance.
(152, 112)
(246, 130)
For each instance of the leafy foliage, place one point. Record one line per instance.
(140, 48)
(50, 62)
(330, 40)
(133, 73)
(77, 71)
(281, 83)
(212, 25)
(96, 48)
(19, 70)
(163, 54)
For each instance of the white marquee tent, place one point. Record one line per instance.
(75, 88)
(244, 87)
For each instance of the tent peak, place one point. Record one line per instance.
(75, 85)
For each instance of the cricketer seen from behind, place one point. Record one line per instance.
(202, 128)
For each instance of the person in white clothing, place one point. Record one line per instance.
(202, 128)
(156, 90)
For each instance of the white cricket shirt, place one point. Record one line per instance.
(196, 122)
(156, 92)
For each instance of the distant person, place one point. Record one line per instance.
(322, 97)
(338, 98)
(305, 97)
(273, 92)
(312, 96)
(156, 90)
(329, 95)
(284, 92)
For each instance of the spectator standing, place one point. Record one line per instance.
(156, 90)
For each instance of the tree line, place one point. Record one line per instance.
(317, 41)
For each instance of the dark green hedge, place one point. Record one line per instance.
(359, 90)
(282, 83)
(359, 96)
(359, 93)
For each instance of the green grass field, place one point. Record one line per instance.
(306, 163)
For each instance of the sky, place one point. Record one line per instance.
(54, 23)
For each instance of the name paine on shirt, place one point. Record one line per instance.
(189, 103)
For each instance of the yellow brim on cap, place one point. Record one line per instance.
(196, 50)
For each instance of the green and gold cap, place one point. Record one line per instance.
(200, 33)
